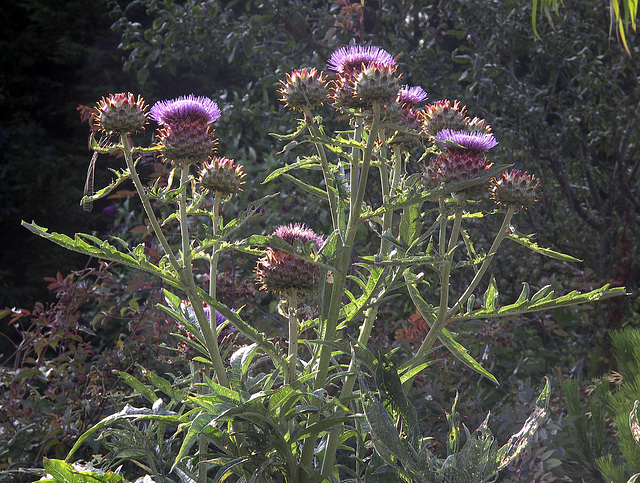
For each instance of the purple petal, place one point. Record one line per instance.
(185, 108)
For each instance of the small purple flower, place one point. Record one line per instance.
(110, 210)
(347, 59)
(410, 96)
(186, 108)
(220, 319)
(298, 231)
(473, 141)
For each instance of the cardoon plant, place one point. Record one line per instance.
(265, 414)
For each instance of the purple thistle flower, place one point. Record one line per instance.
(474, 141)
(298, 231)
(185, 108)
(410, 96)
(347, 59)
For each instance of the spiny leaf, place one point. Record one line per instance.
(64, 472)
(103, 250)
(519, 441)
(195, 428)
(525, 241)
(121, 176)
(158, 413)
(307, 187)
(309, 162)
(543, 300)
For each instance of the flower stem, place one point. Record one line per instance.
(290, 373)
(128, 156)
(500, 236)
(326, 172)
(444, 313)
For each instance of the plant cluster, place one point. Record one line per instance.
(328, 407)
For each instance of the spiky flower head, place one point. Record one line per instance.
(515, 188)
(364, 75)
(222, 176)
(121, 114)
(342, 92)
(282, 272)
(352, 58)
(453, 166)
(443, 115)
(304, 87)
(189, 109)
(400, 113)
(187, 143)
(408, 97)
(185, 133)
(462, 140)
(376, 82)
(298, 231)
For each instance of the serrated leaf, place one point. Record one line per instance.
(491, 296)
(519, 441)
(143, 390)
(196, 427)
(319, 193)
(525, 241)
(158, 413)
(241, 358)
(544, 300)
(102, 250)
(64, 472)
(428, 313)
(121, 176)
(310, 162)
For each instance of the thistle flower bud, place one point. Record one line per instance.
(408, 97)
(376, 83)
(305, 87)
(222, 176)
(282, 272)
(186, 142)
(185, 132)
(453, 166)
(515, 188)
(443, 115)
(121, 114)
(342, 92)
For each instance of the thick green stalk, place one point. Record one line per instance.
(128, 156)
(345, 259)
(326, 172)
(213, 265)
(292, 359)
(358, 178)
(445, 313)
(184, 272)
(500, 236)
(338, 290)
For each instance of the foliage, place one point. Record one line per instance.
(60, 378)
(623, 18)
(478, 460)
(601, 453)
